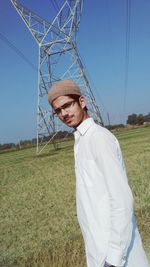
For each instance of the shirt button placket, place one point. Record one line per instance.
(77, 137)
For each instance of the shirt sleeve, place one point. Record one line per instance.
(111, 164)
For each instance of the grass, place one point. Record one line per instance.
(136, 148)
(38, 216)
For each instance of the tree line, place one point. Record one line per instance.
(33, 142)
(140, 119)
(133, 119)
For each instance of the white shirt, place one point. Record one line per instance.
(103, 196)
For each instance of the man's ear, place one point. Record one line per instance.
(82, 102)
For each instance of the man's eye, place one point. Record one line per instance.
(67, 105)
(57, 111)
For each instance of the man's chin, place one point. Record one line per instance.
(70, 123)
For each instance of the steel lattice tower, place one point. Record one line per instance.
(58, 60)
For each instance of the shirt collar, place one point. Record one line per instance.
(84, 126)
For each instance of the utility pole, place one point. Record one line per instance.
(58, 60)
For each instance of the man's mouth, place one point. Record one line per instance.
(69, 119)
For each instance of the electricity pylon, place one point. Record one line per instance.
(58, 60)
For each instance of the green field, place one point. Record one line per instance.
(38, 224)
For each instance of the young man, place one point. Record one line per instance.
(103, 197)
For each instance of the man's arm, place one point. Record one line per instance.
(109, 158)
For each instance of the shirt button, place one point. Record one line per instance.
(124, 258)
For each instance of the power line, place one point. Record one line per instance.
(17, 51)
(95, 89)
(55, 5)
(127, 53)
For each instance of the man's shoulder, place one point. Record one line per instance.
(99, 132)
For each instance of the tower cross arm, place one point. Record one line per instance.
(36, 25)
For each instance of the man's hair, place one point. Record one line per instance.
(76, 98)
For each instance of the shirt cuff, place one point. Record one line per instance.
(115, 257)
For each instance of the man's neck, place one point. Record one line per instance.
(85, 117)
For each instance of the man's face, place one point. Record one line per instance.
(70, 111)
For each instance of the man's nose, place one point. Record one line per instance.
(63, 112)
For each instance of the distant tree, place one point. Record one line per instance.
(25, 142)
(147, 117)
(135, 119)
(115, 126)
(7, 146)
(132, 119)
(140, 119)
(34, 141)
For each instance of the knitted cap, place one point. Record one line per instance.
(65, 87)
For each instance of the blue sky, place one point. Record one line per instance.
(102, 46)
